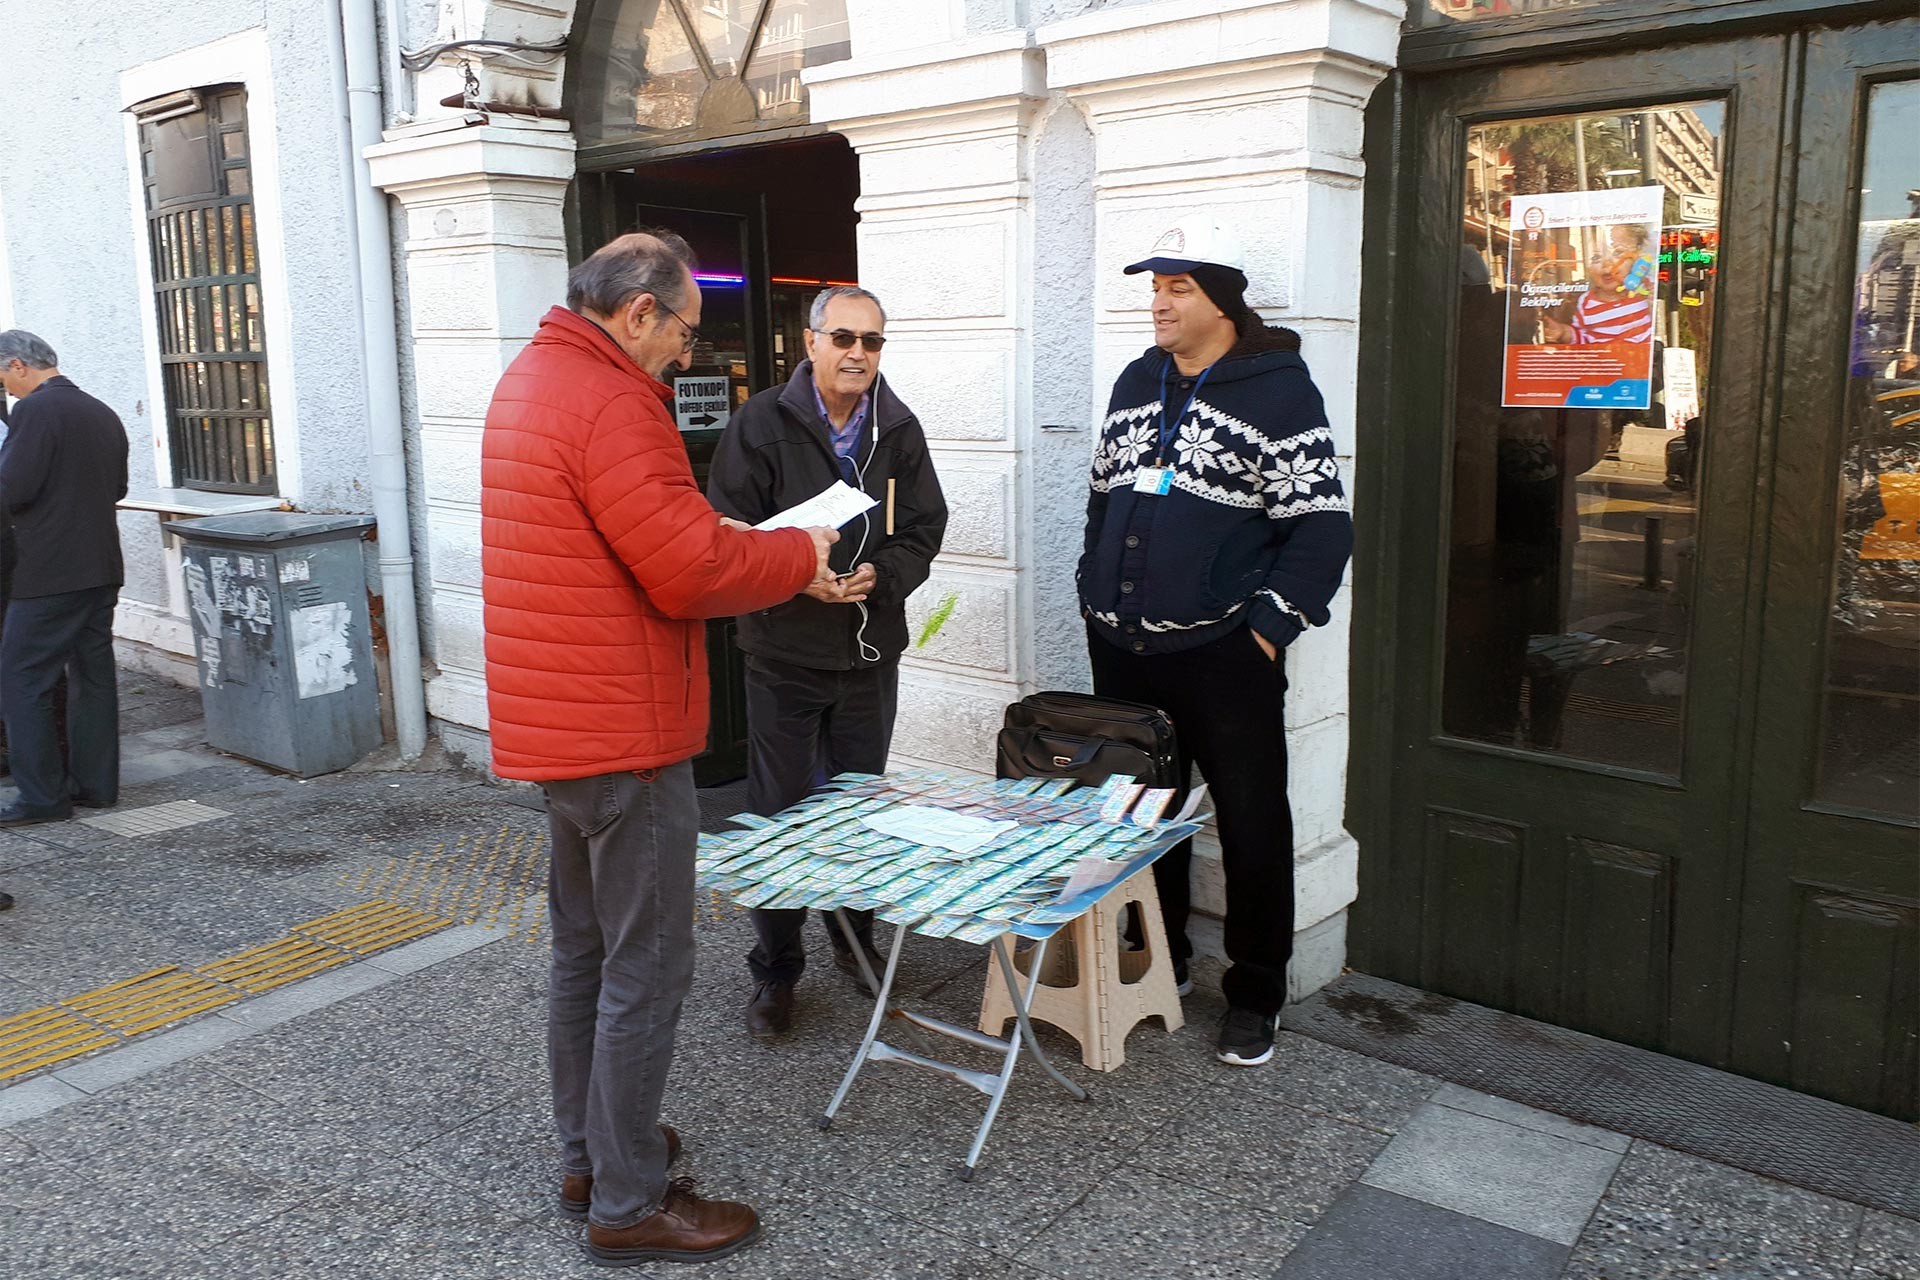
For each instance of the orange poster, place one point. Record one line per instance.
(1581, 313)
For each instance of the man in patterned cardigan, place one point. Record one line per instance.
(1217, 532)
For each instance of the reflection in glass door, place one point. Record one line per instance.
(725, 349)
(1870, 717)
(1587, 276)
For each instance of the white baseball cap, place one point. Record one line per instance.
(1193, 243)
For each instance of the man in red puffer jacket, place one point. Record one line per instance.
(601, 559)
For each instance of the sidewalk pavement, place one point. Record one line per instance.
(387, 1116)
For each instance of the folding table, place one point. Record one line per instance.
(821, 853)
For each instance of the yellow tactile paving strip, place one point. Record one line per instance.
(274, 964)
(487, 878)
(113, 1014)
(497, 878)
(481, 879)
(371, 927)
(42, 1037)
(151, 1000)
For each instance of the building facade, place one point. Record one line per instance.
(1622, 733)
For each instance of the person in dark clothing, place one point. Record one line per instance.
(62, 470)
(6, 899)
(1217, 532)
(823, 670)
(7, 557)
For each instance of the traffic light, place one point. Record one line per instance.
(1689, 255)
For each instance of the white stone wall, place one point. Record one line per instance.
(944, 133)
(74, 230)
(1250, 112)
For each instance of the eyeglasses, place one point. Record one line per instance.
(845, 338)
(693, 335)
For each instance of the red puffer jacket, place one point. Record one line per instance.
(600, 558)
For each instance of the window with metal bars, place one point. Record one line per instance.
(206, 280)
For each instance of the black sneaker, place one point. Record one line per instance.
(1246, 1037)
(1182, 981)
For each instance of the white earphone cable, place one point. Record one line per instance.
(868, 653)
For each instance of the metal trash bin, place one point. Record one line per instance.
(282, 637)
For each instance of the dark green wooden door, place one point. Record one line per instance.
(1594, 733)
(1828, 994)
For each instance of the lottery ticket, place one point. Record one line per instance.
(1114, 806)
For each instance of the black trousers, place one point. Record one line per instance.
(803, 727)
(45, 637)
(1227, 702)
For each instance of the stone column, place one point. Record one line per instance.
(945, 240)
(486, 255)
(1248, 111)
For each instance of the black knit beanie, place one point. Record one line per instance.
(1226, 288)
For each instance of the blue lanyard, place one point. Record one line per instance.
(1167, 429)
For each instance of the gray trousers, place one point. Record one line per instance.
(620, 903)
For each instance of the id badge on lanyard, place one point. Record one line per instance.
(1158, 479)
(1155, 480)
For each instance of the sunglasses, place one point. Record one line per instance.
(845, 338)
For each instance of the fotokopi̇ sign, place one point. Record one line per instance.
(1581, 312)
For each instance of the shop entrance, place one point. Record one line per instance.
(771, 227)
(1645, 746)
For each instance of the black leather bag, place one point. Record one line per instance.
(1076, 735)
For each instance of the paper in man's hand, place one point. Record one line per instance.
(829, 509)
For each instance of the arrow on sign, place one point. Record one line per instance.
(704, 420)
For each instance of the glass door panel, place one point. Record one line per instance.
(727, 355)
(1587, 277)
(1869, 740)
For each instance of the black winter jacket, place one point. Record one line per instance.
(62, 471)
(1254, 529)
(777, 452)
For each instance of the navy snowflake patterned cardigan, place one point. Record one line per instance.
(1254, 527)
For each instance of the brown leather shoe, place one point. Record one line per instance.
(576, 1189)
(685, 1228)
(770, 1012)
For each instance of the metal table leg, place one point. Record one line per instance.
(859, 952)
(1023, 1003)
(993, 1085)
(1023, 1035)
(880, 1001)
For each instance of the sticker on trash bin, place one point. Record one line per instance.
(210, 657)
(296, 571)
(226, 587)
(322, 656)
(255, 608)
(201, 598)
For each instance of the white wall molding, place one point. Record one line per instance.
(486, 256)
(944, 135)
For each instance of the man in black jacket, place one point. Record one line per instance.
(1217, 532)
(823, 670)
(62, 470)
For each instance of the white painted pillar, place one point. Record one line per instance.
(945, 240)
(1249, 111)
(486, 255)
